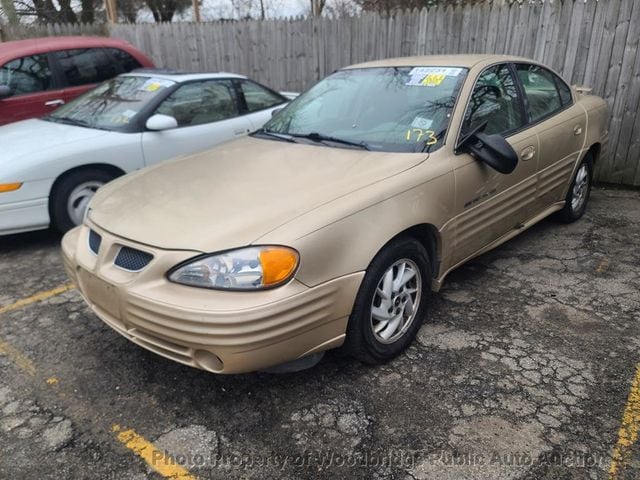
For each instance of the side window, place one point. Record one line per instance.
(494, 100)
(27, 75)
(201, 102)
(258, 97)
(543, 97)
(86, 66)
(125, 62)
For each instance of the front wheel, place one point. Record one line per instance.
(391, 302)
(578, 194)
(71, 195)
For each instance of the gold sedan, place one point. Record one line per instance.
(333, 224)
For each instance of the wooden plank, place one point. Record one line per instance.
(582, 53)
(617, 92)
(610, 83)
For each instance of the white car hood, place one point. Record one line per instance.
(29, 137)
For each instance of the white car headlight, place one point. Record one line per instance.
(250, 268)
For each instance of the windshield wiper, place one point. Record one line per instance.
(278, 136)
(319, 137)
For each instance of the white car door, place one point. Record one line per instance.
(207, 114)
(260, 102)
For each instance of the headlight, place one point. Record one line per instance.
(250, 268)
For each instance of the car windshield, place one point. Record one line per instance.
(391, 109)
(111, 105)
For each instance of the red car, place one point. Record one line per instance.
(39, 75)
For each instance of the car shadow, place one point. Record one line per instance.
(30, 240)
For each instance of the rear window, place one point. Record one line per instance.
(26, 75)
(124, 60)
(87, 65)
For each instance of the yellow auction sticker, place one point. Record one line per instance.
(433, 79)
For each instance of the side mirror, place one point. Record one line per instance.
(493, 150)
(5, 91)
(275, 111)
(159, 122)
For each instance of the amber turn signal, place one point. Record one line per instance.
(9, 187)
(278, 263)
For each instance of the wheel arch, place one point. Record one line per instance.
(595, 151)
(429, 236)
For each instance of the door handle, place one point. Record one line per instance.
(54, 103)
(577, 130)
(240, 132)
(527, 153)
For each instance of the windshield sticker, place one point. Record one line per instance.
(431, 76)
(155, 84)
(423, 123)
(424, 71)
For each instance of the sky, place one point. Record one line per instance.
(216, 9)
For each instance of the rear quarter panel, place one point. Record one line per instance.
(597, 124)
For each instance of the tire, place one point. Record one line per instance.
(361, 341)
(575, 203)
(71, 193)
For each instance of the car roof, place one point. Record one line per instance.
(463, 60)
(179, 76)
(20, 48)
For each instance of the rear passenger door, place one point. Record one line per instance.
(560, 125)
(83, 68)
(207, 113)
(490, 204)
(35, 90)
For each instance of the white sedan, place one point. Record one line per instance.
(51, 167)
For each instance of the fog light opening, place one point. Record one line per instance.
(208, 361)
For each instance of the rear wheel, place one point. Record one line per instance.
(578, 194)
(71, 195)
(391, 302)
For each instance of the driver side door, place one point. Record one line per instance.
(489, 204)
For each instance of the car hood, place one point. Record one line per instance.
(232, 195)
(30, 137)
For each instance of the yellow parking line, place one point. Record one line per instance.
(156, 459)
(38, 297)
(18, 358)
(628, 432)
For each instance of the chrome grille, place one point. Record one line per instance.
(94, 242)
(132, 259)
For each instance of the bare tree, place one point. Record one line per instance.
(317, 6)
(46, 11)
(164, 10)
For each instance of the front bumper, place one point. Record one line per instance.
(24, 216)
(222, 332)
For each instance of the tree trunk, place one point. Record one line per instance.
(88, 11)
(10, 11)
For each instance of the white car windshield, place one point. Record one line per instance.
(393, 109)
(113, 104)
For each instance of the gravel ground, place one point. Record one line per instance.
(521, 371)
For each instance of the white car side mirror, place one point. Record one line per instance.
(159, 122)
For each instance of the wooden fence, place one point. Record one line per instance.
(592, 43)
